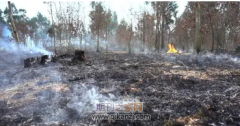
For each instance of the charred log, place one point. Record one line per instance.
(39, 60)
(77, 58)
(76, 79)
(64, 56)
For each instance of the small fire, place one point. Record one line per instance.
(172, 49)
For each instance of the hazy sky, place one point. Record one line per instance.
(121, 7)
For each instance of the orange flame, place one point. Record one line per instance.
(172, 49)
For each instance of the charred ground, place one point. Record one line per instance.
(176, 89)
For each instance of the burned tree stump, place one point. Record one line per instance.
(79, 56)
(54, 58)
(29, 62)
(43, 59)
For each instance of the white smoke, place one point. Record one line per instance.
(6, 33)
(30, 47)
(13, 47)
(204, 58)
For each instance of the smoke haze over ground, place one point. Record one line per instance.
(43, 90)
(167, 83)
(20, 49)
(45, 95)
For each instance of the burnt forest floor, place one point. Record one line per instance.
(176, 89)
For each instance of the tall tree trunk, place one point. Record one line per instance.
(80, 44)
(106, 38)
(221, 36)
(157, 28)
(60, 38)
(218, 35)
(162, 24)
(12, 23)
(85, 42)
(69, 43)
(53, 29)
(130, 38)
(54, 42)
(210, 19)
(98, 28)
(162, 33)
(98, 39)
(66, 43)
(197, 33)
(61, 21)
(212, 36)
(144, 29)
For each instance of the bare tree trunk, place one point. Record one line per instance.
(98, 28)
(60, 30)
(12, 23)
(218, 35)
(197, 34)
(162, 24)
(157, 28)
(210, 18)
(85, 42)
(106, 38)
(80, 41)
(69, 44)
(144, 29)
(66, 44)
(84, 36)
(98, 39)
(129, 45)
(130, 38)
(212, 35)
(60, 36)
(162, 33)
(54, 41)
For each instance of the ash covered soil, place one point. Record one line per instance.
(176, 89)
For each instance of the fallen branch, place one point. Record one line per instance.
(75, 79)
(152, 75)
(184, 65)
(39, 60)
